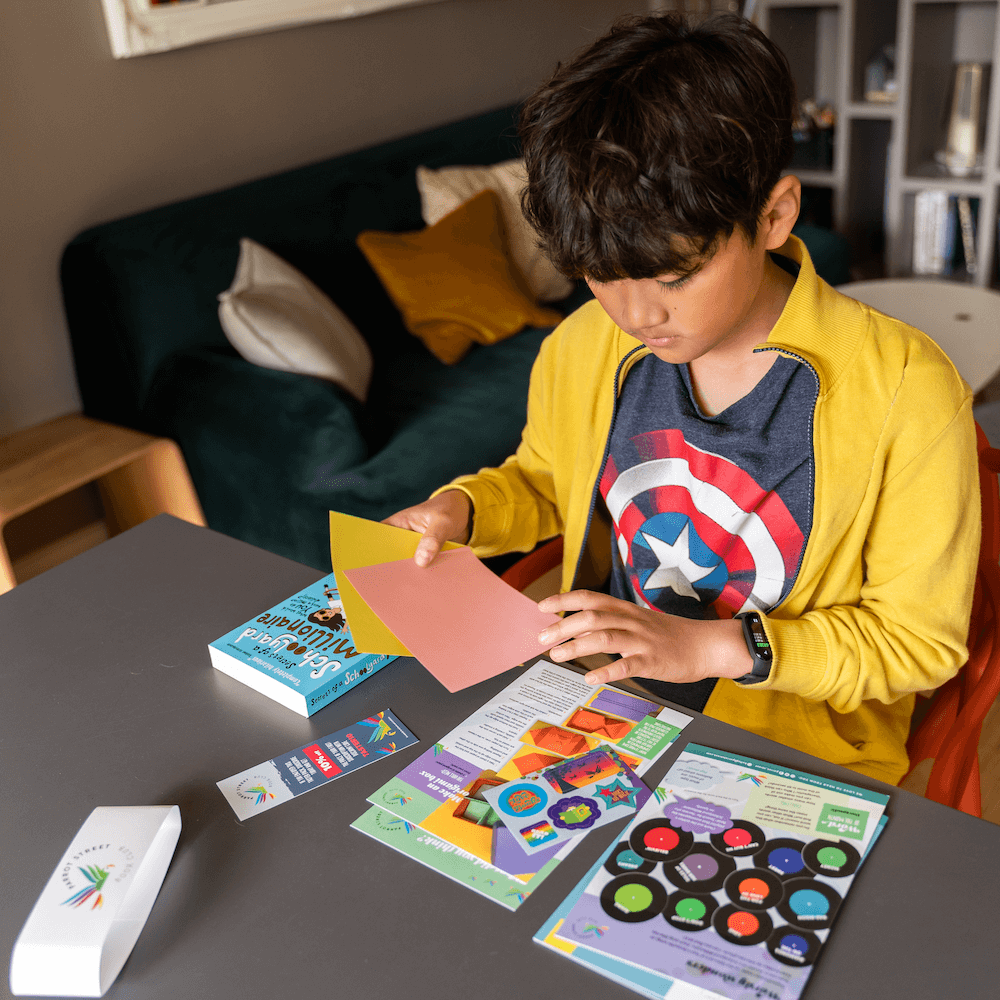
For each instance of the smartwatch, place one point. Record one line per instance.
(758, 646)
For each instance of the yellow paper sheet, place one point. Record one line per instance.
(354, 542)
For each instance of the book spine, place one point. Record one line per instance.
(930, 232)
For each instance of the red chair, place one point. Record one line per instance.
(535, 564)
(949, 732)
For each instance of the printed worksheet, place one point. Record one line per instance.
(726, 883)
(545, 716)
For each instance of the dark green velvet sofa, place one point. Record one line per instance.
(270, 452)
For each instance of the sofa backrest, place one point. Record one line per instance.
(138, 289)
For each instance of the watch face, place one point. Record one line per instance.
(760, 647)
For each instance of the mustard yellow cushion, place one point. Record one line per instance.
(453, 282)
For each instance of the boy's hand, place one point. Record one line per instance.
(444, 518)
(652, 644)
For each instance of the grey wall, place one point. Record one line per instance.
(85, 138)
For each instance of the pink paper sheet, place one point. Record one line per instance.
(462, 622)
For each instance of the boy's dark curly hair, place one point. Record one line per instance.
(654, 143)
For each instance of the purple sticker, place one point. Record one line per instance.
(575, 813)
(698, 816)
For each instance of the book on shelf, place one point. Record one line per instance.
(944, 233)
(299, 653)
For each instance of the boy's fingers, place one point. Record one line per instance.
(610, 672)
(427, 548)
(579, 600)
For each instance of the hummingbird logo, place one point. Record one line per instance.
(757, 779)
(96, 877)
(262, 794)
(380, 728)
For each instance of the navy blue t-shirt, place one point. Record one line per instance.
(711, 513)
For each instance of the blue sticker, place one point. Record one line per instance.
(522, 799)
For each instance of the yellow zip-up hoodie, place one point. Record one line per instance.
(880, 607)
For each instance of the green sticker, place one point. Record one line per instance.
(831, 857)
(842, 821)
(633, 898)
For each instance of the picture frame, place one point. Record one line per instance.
(143, 27)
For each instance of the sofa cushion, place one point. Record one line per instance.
(443, 190)
(277, 318)
(453, 282)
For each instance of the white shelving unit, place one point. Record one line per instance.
(883, 154)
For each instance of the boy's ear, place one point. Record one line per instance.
(781, 212)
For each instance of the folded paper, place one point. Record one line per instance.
(461, 621)
(93, 908)
(355, 541)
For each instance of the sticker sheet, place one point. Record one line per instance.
(729, 878)
(574, 796)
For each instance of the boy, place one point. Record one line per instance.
(720, 433)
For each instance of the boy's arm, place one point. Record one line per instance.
(908, 632)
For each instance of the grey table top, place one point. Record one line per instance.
(110, 699)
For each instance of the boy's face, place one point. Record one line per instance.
(726, 305)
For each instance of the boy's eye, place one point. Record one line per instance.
(677, 283)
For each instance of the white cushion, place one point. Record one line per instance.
(442, 191)
(277, 318)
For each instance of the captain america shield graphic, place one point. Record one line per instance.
(693, 525)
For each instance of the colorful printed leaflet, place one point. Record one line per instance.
(573, 797)
(443, 791)
(267, 785)
(299, 653)
(648, 984)
(728, 880)
(445, 858)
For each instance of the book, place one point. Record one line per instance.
(933, 232)
(547, 715)
(298, 653)
(726, 883)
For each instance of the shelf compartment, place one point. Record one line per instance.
(864, 222)
(944, 35)
(954, 268)
(874, 28)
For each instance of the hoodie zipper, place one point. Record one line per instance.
(604, 458)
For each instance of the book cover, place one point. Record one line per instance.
(299, 653)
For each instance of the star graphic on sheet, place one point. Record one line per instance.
(618, 793)
(676, 569)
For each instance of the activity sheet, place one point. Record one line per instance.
(545, 716)
(728, 880)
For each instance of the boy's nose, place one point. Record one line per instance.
(642, 310)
